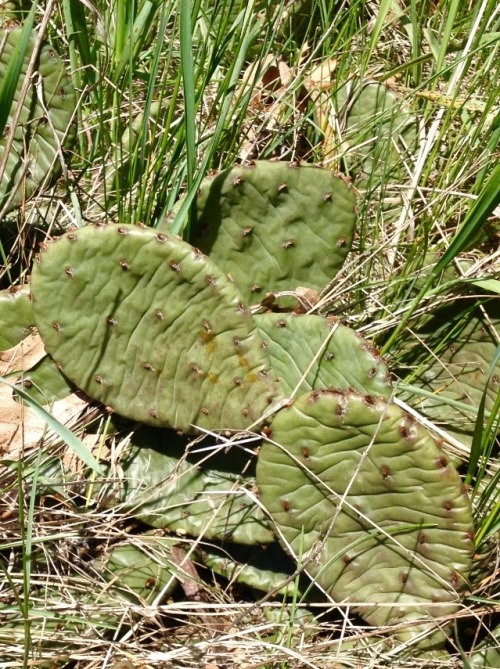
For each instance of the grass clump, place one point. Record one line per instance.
(168, 92)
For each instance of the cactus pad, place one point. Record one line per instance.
(16, 316)
(149, 326)
(140, 571)
(193, 491)
(274, 226)
(379, 131)
(328, 354)
(459, 371)
(373, 504)
(44, 125)
(487, 652)
(266, 568)
(45, 383)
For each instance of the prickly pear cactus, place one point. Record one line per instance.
(194, 491)
(44, 124)
(45, 383)
(146, 324)
(267, 568)
(380, 133)
(371, 505)
(309, 352)
(16, 316)
(458, 372)
(136, 572)
(487, 652)
(274, 226)
(10, 10)
(142, 570)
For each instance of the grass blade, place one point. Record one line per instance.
(187, 67)
(11, 80)
(61, 430)
(486, 203)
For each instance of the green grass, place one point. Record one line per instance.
(161, 104)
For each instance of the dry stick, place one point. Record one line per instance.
(24, 91)
(194, 588)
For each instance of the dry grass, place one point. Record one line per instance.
(58, 521)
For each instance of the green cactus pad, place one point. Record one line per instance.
(192, 491)
(487, 652)
(9, 10)
(328, 354)
(146, 324)
(16, 316)
(356, 486)
(44, 124)
(266, 568)
(141, 570)
(274, 226)
(135, 572)
(45, 383)
(459, 371)
(379, 131)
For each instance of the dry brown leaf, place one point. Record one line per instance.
(21, 428)
(319, 85)
(23, 356)
(264, 85)
(19, 425)
(269, 81)
(320, 78)
(307, 297)
(188, 575)
(193, 586)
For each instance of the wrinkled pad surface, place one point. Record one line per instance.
(370, 504)
(149, 326)
(44, 123)
(274, 226)
(309, 352)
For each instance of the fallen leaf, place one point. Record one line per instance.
(269, 81)
(319, 85)
(23, 356)
(21, 428)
